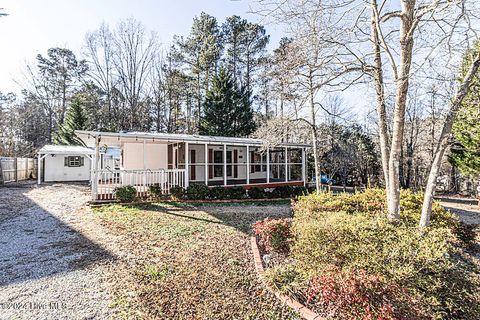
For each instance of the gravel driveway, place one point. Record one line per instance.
(51, 263)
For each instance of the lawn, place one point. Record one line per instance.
(190, 261)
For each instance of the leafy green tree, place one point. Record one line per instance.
(227, 109)
(75, 119)
(466, 129)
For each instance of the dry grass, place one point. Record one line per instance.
(188, 262)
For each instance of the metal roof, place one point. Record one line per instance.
(58, 149)
(175, 137)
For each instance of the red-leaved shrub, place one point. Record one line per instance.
(275, 234)
(358, 295)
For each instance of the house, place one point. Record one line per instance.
(142, 159)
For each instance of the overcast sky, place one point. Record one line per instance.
(33, 26)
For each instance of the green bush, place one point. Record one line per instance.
(256, 193)
(351, 232)
(218, 193)
(155, 190)
(236, 193)
(374, 203)
(125, 194)
(299, 191)
(197, 192)
(361, 241)
(177, 192)
(283, 192)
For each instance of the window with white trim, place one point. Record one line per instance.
(74, 161)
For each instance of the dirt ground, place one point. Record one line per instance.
(61, 260)
(53, 257)
(467, 209)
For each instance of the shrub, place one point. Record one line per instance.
(359, 241)
(236, 193)
(256, 193)
(177, 192)
(466, 234)
(300, 191)
(283, 192)
(286, 278)
(218, 193)
(197, 192)
(155, 190)
(359, 295)
(352, 233)
(125, 194)
(373, 202)
(275, 234)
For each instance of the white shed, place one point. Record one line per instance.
(64, 163)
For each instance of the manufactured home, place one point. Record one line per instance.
(142, 159)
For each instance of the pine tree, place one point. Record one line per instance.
(75, 119)
(227, 109)
(466, 129)
(244, 122)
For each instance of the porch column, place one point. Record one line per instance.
(206, 164)
(286, 164)
(248, 164)
(187, 167)
(95, 168)
(268, 165)
(224, 164)
(39, 168)
(144, 158)
(303, 167)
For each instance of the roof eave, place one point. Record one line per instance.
(173, 139)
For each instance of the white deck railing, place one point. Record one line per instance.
(104, 182)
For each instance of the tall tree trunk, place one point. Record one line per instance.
(199, 102)
(380, 94)
(443, 142)
(314, 136)
(402, 82)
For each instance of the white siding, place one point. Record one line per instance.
(155, 156)
(55, 169)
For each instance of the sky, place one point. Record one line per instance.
(33, 26)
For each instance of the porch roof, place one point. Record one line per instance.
(175, 138)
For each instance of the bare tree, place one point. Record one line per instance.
(444, 139)
(407, 35)
(133, 57)
(99, 53)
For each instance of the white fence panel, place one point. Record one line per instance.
(103, 188)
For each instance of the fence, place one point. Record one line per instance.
(141, 180)
(17, 169)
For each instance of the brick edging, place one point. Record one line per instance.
(304, 312)
(100, 203)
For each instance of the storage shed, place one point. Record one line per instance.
(64, 163)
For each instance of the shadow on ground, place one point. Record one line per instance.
(36, 243)
(238, 215)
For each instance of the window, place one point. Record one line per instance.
(74, 161)
(218, 158)
(256, 160)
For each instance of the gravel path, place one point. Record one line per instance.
(50, 268)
